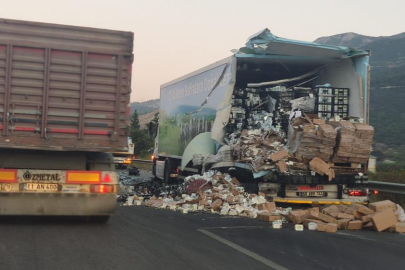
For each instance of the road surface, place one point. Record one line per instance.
(143, 238)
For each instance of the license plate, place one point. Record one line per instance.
(41, 187)
(313, 194)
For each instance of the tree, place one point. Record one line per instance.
(134, 123)
(140, 137)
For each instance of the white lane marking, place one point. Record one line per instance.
(243, 250)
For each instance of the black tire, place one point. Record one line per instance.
(100, 219)
(166, 173)
(154, 168)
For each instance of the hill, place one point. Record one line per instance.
(145, 107)
(386, 51)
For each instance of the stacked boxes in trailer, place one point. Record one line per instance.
(279, 114)
(64, 97)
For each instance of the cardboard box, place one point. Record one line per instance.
(366, 218)
(368, 226)
(279, 155)
(267, 216)
(319, 121)
(383, 220)
(332, 211)
(297, 216)
(322, 217)
(329, 227)
(355, 225)
(399, 227)
(319, 166)
(216, 204)
(282, 166)
(307, 221)
(361, 209)
(345, 209)
(382, 205)
(342, 223)
(313, 209)
(345, 216)
(269, 206)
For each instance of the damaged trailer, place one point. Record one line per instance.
(287, 118)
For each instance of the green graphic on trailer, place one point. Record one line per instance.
(181, 118)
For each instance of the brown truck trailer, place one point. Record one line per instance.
(64, 105)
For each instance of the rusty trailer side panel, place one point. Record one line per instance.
(64, 87)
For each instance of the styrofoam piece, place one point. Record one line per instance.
(137, 202)
(312, 226)
(299, 227)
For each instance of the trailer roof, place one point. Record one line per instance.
(265, 44)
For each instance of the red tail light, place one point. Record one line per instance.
(375, 192)
(357, 192)
(101, 188)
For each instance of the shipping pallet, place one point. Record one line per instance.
(344, 165)
(346, 168)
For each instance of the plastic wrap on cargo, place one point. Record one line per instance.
(271, 104)
(294, 136)
(306, 104)
(197, 159)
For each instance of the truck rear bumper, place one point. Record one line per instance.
(54, 204)
(320, 201)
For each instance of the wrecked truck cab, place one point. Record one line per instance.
(267, 112)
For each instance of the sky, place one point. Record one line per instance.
(176, 37)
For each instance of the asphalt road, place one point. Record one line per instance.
(145, 238)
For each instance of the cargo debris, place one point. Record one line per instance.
(214, 192)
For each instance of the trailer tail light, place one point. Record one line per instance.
(83, 177)
(358, 192)
(152, 157)
(128, 161)
(101, 188)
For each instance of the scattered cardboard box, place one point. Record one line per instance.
(355, 225)
(342, 223)
(298, 216)
(382, 205)
(216, 204)
(329, 227)
(332, 211)
(344, 216)
(361, 209)
(383, 220)
(279, 155)
(267, 216)
(269, 206)
(399, 227)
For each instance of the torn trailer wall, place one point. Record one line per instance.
(279, 90)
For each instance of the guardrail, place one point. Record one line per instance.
(385, 187)
(142, 164)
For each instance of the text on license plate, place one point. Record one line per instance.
(41, 187)
(313, 194)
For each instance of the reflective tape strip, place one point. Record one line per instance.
(7, 175)
(84, 177)
(315, 202)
